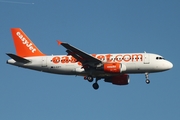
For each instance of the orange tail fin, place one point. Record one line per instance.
(24, 46)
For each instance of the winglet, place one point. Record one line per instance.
(59, 42)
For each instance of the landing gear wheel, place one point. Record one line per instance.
(95, 86)
(89, 78)
(147, 81)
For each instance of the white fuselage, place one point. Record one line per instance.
(63, 64)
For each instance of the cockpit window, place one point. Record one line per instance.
(159, 58)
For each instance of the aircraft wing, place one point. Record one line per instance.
(79, 55)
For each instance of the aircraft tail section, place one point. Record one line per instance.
(23, 45)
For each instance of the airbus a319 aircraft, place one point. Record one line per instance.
(113, 68)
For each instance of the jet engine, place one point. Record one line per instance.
(113, 67)
(118, 80)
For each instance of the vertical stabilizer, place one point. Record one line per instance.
(23, 45)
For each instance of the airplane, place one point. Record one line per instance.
(113, 68)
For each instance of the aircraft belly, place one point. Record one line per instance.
(137, 67)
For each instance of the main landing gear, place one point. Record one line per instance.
(95, 85)
(147, 77)
(90, 79)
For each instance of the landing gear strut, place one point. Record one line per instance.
(147, 78)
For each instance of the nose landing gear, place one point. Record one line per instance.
(147, 78)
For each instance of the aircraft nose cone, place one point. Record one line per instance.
(169, 65)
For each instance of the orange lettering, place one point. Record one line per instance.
(100, 57)
(137, 56)
(79, 63)
(118, 58)
(94, 55)
(56, 60)
(73, 60)
(65, 59)
(126, 58)
(108, 56)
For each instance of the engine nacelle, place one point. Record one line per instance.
(114, 67)
(118, 80)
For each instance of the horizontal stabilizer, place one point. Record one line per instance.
(17, 58)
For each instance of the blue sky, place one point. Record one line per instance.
(96, 26)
